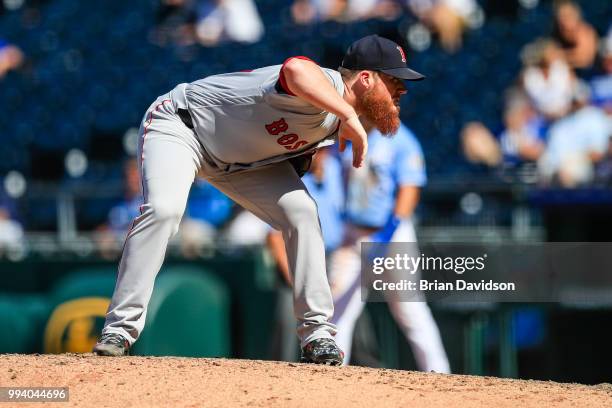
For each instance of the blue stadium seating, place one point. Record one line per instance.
(91, 67)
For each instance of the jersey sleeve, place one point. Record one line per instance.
(333, 76)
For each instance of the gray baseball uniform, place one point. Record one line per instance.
(240, 130)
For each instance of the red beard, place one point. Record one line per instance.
(380, 111)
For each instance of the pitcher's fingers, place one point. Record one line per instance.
(341, 144)
(358, 156)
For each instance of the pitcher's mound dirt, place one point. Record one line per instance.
(199, 382)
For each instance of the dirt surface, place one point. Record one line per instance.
(199, 382)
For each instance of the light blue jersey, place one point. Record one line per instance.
(329, 196)
(391, 162)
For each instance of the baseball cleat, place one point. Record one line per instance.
(112, 344)
(322, 351)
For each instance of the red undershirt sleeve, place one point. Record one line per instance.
(282, 82)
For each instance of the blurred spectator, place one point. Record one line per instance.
(523, 136)
(11, 232)
(447, 18)
(121, 215)
(246, 229)
(601, 84)
(603, 169)
(479, 145)
(575, 143)
(112, 234)
(311, 11)
(207, 210)
(11, 57)
(175, 23)
(357, 10)
(522, 139)
(577, 38)
(547, 78)
(228, 21)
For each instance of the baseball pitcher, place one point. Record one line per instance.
(247, 133)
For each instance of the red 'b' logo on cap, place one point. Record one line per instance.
(402, 53)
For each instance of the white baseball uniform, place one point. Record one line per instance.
(236, 130)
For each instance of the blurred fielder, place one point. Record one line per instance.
(381, 198)
(251, 135)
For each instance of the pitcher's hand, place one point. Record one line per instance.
(352, 130)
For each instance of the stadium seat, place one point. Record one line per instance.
(118, 73)
(79, 302)
(189, 315)
(22, 317)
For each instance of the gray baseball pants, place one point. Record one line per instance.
(170, 158)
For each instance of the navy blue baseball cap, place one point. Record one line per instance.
(374, 53)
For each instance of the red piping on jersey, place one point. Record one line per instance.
(281, 77)
(144, 134)
(141, 158)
